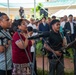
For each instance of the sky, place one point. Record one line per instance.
(21, 1)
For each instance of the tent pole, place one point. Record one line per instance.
(8, 10)
(34, 9)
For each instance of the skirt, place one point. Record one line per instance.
(21, 69)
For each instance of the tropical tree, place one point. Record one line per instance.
(38, 7)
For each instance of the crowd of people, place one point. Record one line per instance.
(17, 51)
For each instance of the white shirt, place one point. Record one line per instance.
(44, 23)
(32, 47)
(62, 24)
(72, 27)
(34, 27)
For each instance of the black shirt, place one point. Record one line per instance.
(55, 41)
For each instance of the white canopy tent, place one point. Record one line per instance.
(19, 3)
(67, 12)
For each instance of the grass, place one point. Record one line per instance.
(46, 72)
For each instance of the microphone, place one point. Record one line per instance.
(18, 30)
(44, 34)
(66, 30)
(37, 31)
(5, 34)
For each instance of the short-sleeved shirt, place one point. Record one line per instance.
(8, 53)
(19, 55)
(55, 41)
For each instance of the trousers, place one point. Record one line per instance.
(2, 72)
(55, 67)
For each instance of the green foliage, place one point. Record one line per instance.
(39, 71)
(41, 16)
(71, 52)
(32, 10)
(38, 7)
(39, 47)
(46, 72)
(70, 73)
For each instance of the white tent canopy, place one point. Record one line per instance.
(19, 3)
(67, 12)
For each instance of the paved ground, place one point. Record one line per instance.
(67, 61)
